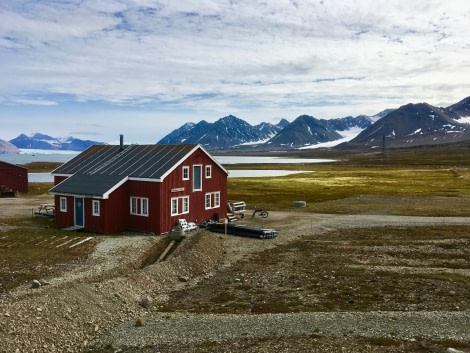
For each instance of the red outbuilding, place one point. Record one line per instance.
(145, 188)
(13, 178)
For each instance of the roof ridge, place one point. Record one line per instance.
(109, 161)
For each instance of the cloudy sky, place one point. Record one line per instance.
(97, 68)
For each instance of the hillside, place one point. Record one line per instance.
(413, 125)
(305, 130)
(225, 133)
(7, 147)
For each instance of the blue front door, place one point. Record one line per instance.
(79, 211)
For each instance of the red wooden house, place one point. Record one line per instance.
(13, 178)
(145, 188)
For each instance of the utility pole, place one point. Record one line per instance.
(384, 155)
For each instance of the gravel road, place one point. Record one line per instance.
(194, 329)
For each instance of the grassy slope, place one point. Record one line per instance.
(435, 179)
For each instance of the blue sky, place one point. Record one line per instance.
(97, 68)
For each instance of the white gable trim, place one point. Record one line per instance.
(189, 154)
(107, 193)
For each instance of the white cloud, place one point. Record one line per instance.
(213, 58)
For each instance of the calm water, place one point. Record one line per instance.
(64, 156)
(39, 156)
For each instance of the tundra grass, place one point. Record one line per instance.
(33, 251)
(329, 183)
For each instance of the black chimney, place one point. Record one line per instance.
(121, 142)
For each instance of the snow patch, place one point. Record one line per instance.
(464, 120)
(347, 136)
(416, 132)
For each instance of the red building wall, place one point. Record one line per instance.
(14, 177)
(197, 211)
(64, 219)
(115, 215)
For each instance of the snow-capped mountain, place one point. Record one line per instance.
(225, 133)
(46, 142)
(414, 125)
(307, 131)
(462, 109)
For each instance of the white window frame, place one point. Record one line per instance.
(185, 204)
(95, 206)
(208, 201)
(139, 206)
(174, 206)
(63, 204)
(217, 199)
(212, 200)
(185, 172)
(195, 177)
(208, 171)
(179, 205)
(144, 206)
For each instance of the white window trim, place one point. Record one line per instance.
(63, 204)
(179, 202)
(185, 204)
(174, 202)
(139, 201)
(200, 177)
(214, 200)
(208, 201)
(208, 169)
(186, 168)
(96, 207)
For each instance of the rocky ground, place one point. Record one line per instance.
(120, 300)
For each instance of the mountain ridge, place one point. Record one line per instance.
(413, 125)
(45, 142)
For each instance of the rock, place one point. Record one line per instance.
(144, 302)
(43, 282)
(299, 204)
(183, 279)
(35, 284)
(452, 350)
(139, 322)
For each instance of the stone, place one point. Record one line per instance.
(183, 279)
(139, 322)
(35, 284)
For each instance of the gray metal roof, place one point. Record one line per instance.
(96, 185)
(138, 161)
(101, 169)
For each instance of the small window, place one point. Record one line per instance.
(186, 204)
(96, 208)
(134, 205)
(179, 205)
(197, 178)
(208, 171)
(174, 207)
(185, 173)
(139, 206)
(213, 200)
(63, 204)
(145, 207)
